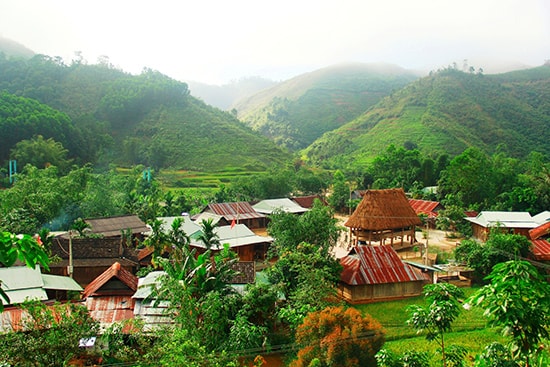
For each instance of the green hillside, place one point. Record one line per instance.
(296, 112)
(447, 112)
(115, 117)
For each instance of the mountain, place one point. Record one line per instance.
(446, 112)
(295, 112)
(126, 119)
(13, 49)
(225, 96)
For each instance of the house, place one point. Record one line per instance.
(108, 297)
(427, 208)
(238, 212)
(108, 240)
(376, 273)
(154, 314)
(242, 240)
(384, 215)
(21, 283)
(270, 206)
(511, 222)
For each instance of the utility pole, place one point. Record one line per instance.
(70, 266)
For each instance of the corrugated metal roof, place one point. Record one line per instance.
(271, 205)
(377, 265)
(504, 219)
(113, 226)
(110, 309)
(424, 207)
(383, 209)
(237, 235)
(22, 283)
(540, 231)
(541, 250)
(115, 271)
(59, 282)
(236, 210)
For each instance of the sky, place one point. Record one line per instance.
(219, 41)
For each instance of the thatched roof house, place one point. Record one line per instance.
(384, 215)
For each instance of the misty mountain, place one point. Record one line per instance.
(225, 96)
(295, 112)
(446, 112)
(14, 49)
(116, 117)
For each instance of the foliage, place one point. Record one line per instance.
(517, 300)
(500, 247)
(336, 336)
(437, 317)
(340, 195)
(386, 358)
(316, 226)
(41, 153)
(495, 355)
(51, 335)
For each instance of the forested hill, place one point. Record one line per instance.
(447, 112)
(296, 112)
(109, 116)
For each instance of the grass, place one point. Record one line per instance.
(469, 329)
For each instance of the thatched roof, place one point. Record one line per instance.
(383, 209)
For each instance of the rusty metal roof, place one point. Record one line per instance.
(237, 210)
(424, 207)
(540, 231)
(110, 309)
(377, 265)
(113, 226)
(129, 280)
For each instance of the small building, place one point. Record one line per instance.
(508, 222)
(427, 208)
(108, 298)
(376, 273)
(384, 216)
(308, 200)
(242, 240)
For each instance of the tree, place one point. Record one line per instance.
(517, 300)
(41, 153)
(500, 247)
(437, 317)
(50, 335)
(338, 336)
(340, 194)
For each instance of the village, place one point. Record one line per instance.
(386, 250)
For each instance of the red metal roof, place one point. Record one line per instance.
(540, 231)
(377, 265)
(541, 250)
(424, 207)
(115, 271)
(237, 210)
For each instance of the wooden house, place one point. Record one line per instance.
(108, 240)
(108, 297)
(376, 273)
(384, 216)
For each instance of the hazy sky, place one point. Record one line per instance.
(215, 41)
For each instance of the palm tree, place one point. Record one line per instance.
(210, 238)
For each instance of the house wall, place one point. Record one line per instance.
(380, 292)
(88, 248)
(482, 233)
